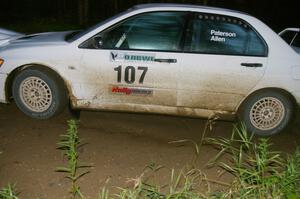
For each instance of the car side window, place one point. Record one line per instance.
(218, 34)
(161, 31)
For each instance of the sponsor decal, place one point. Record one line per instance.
(130, 90)
(131, 57)
(219, 36)
(113, 56)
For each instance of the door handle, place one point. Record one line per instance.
(166, 60)
(254, 65)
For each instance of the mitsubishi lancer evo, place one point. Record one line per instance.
(169, 59)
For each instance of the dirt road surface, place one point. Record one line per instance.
(119, 146)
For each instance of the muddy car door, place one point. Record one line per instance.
(134, 62)
(225, 58)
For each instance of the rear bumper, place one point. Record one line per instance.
(2, 88)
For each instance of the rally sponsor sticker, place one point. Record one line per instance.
(117, 56)
(125, 90)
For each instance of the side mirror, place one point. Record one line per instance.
(98, 42)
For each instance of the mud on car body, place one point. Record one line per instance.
(158, 58)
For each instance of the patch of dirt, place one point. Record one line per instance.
(119, 146)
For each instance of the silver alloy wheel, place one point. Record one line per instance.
(35, 94)
(267, 113)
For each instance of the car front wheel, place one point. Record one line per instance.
(39, 93)
(267, 113)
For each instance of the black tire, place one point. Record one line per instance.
(39, 93)
(266, 113)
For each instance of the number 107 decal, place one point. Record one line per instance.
(130, 74)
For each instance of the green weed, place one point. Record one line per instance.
(199, 144)
(290, 180)
(69, 144)
(259, 172)
(180, 186)
(8, 192)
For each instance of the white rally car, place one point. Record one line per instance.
(158, 58)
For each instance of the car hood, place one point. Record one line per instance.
(7, 35)
(40, 39)
(4, 34)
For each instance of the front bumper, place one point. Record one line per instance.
(2, 88)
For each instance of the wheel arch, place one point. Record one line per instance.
(13, 74)
(275, 89)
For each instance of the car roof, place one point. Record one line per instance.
(174, 5)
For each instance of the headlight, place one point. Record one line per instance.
(1, 62)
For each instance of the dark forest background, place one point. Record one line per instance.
(50, 15)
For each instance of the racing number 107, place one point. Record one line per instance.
(130, 74)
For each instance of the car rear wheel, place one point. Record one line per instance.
(267, 113)
(39, 93)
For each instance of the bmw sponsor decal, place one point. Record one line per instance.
(116, 56)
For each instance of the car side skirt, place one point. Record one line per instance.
(155, 109)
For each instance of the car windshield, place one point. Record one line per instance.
(77, 34)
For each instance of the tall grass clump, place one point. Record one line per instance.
(69, 144)
(182, 185)
(259, 172)
(199, 144)
(290, 181)
(8, 192)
